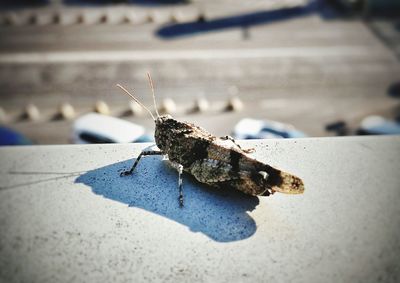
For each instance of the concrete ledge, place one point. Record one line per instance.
(66, 215)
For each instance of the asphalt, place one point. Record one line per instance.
(305, 65)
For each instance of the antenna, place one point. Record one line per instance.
(136, 100)
(152, 91)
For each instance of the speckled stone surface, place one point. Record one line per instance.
(67, 216)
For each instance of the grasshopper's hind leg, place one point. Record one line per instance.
(229, 138)
(179, 168)
(143, 153)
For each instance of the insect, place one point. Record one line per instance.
(218, 162)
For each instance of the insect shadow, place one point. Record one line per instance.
(219, 214)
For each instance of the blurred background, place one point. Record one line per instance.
(251, 69)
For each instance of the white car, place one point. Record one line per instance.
(264, 129)
(97, 128)
(377, 125)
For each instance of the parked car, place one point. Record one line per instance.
(264, 129)
(377, 125)
(98, 128)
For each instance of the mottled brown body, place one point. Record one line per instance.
(219, 162)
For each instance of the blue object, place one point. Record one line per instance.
(11, 137)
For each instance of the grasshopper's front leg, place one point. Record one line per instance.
(179, 168)
(143, 153)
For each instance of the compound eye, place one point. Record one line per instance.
(263, 174)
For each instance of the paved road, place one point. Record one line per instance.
(307, 70)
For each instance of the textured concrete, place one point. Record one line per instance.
(67, 216)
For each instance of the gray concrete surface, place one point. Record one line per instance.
(67, 216)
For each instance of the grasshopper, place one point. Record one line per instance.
(218, 162)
